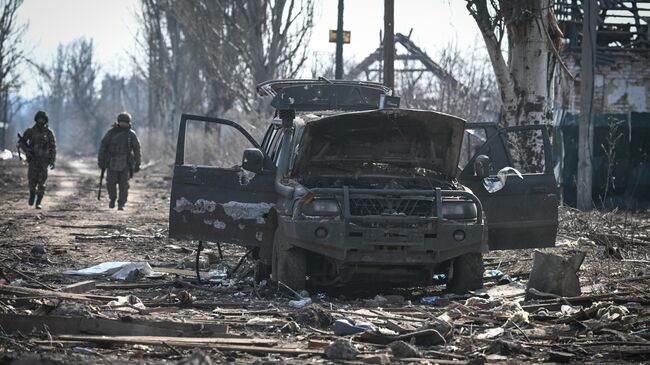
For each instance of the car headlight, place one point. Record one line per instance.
(458, 210)
(325, 207)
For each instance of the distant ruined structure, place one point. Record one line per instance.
(621, 103)
(424, 83)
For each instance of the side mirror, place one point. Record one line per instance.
(482, 166)
(253, 160)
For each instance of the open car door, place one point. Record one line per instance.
(524, 213)
(213, 198)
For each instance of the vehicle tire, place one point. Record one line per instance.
(289, 264)
(465, 273)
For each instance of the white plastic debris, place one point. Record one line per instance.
(18, 282)
(219, 273)
(491, 333)
(126, 302)
(105, 268)
(6, 155)
(133, 271)
(85, 350)
(495, 183)
(300, 303)
(119, 270)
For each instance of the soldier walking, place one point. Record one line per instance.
(40, 149)
(119, 153)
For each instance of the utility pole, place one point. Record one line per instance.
(585, 137)
(389, 43)
(4, 117)
(339, 44)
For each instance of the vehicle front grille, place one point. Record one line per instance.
(392, 206)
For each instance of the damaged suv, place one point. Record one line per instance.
(345, 187)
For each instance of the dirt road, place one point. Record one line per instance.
(71, 210)
(235, 320)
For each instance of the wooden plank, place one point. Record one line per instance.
(237, 348)
(554, 304)
(29, 278)
(134, 286)
(80, 287)
(175, 341)
(100, 326)
(30, 292)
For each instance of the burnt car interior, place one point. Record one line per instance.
(356, 150)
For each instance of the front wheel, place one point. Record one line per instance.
(289, 264)
(465, 273)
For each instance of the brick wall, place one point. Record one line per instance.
(621, 84)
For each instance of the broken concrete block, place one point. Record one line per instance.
(341, 350)
(381, 359)
(290, 327)
(403, 349)
(198, 357)
(555, 274)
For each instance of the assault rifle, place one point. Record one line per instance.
(99, 191)
(22, 145)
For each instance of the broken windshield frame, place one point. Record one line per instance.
(180, 147)
(324, 96)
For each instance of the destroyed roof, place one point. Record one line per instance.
(271, 87)
(323, 94)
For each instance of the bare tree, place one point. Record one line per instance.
(246, 42)
(525, 78)
(81, 72)
(171, 71)
(533, 36)
(11, 56)
(213, 54)
(205, 56)
(53, 84)
(469, 91)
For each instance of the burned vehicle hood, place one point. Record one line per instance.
(396, 137)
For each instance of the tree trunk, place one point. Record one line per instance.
(523, 79)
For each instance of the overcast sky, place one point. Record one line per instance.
(113, 25)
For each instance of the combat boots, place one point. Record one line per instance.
(32, 196)
(39, 199)
(111, 203)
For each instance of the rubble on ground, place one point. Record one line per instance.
(165, 314)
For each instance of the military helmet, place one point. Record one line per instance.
(124, 117)
(41, 114)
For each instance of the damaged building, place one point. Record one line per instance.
(620, 107)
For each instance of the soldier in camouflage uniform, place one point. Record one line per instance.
(40, 148)
(119, 153)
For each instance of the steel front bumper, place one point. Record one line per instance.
(385, 240)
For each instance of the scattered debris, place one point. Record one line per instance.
(341, 350)
(403, 349)
(343, 327)
(300, 303)
(222, 319)
(555, 274)
(198, 357)
(381, 359)
(291, 327)
(118, 270)
(313, 315)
